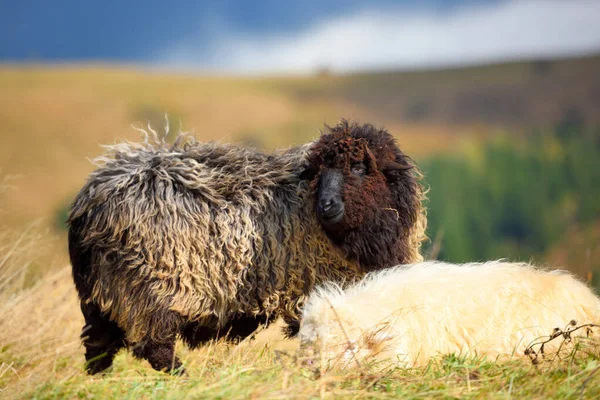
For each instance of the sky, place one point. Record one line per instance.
(296, 37)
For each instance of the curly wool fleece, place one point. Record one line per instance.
(204, 230)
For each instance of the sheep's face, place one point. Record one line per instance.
(363, 187)
(324, 344)
(328, 340)
(348, 186)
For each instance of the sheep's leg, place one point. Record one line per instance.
(159, 345)
(101, 337)
(194, 334)
(242, 327)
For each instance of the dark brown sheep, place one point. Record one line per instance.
(198, 240)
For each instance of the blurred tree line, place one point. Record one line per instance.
(514, 197)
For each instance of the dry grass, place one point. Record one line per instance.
(569, 345)
(41, 357)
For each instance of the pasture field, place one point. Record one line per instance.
(54, 118)
(41, 358)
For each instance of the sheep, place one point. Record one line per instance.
(407, 315)
(208, 240)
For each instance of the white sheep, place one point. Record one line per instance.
(409, 314)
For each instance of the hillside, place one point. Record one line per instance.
(52, 118)
(520, 94)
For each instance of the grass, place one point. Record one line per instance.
(41, 357)
(263, 377)
(256, 370)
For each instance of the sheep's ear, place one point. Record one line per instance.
(394, 166)
(389, 159)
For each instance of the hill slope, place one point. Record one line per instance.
(53, 118)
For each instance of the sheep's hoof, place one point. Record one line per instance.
(100, 363)
(291, 329)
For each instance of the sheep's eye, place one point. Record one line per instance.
(358, 169)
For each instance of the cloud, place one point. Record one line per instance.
(381, 39)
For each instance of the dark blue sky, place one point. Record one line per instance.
(265, 36)
(135, 30)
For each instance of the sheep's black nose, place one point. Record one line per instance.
(327, 205)
(331, 209)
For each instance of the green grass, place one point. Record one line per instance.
(231, 373)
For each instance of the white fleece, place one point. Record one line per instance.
(411, 313)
